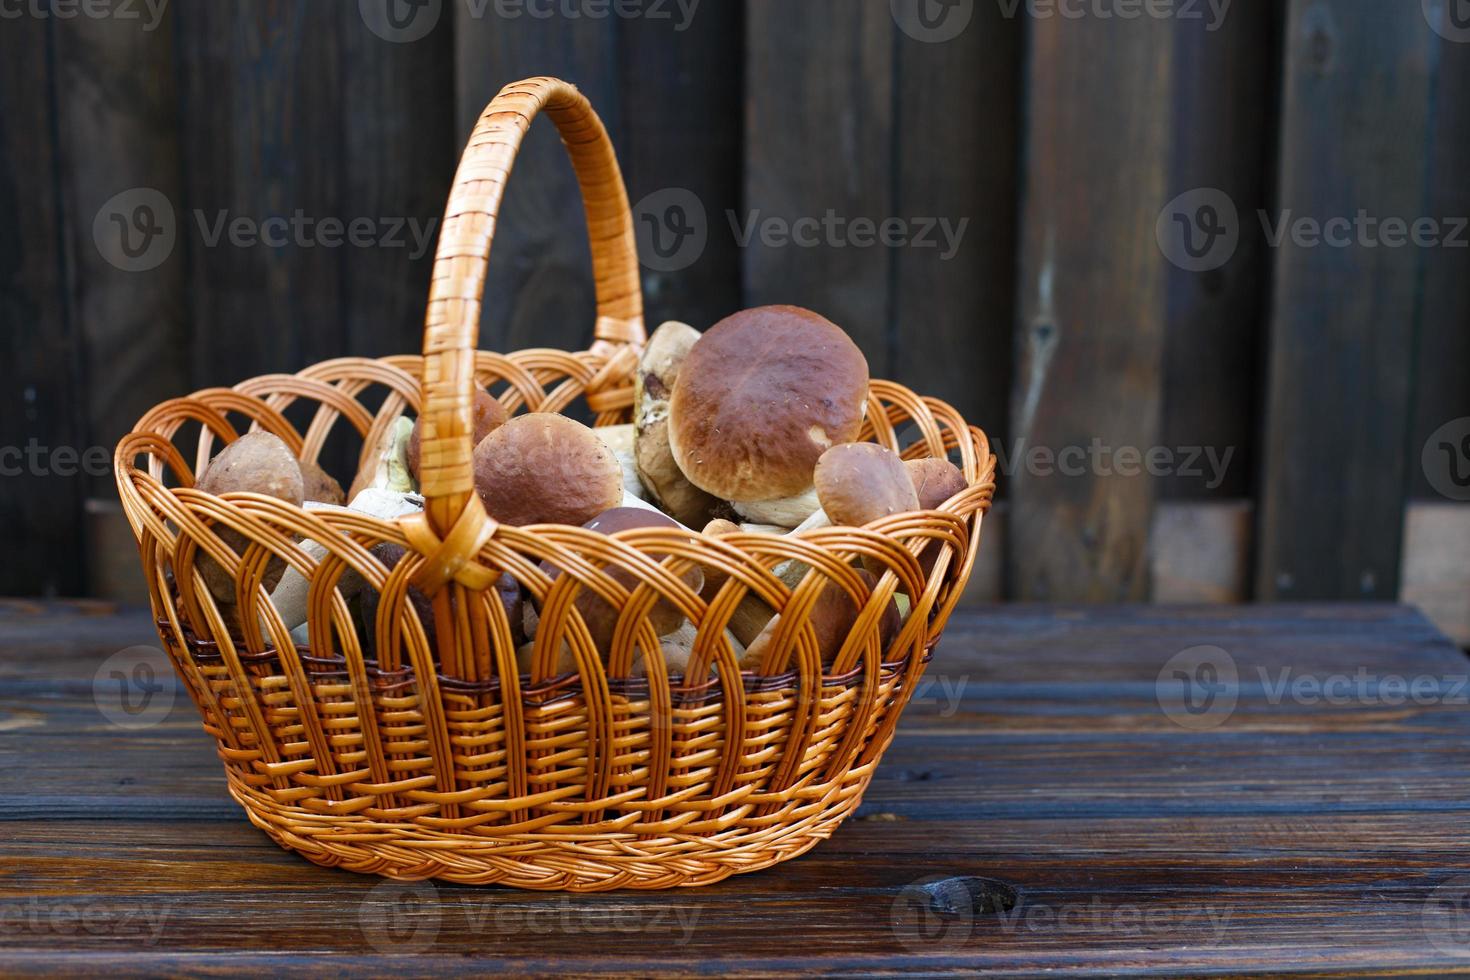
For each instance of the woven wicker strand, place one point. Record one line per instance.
(418, 749)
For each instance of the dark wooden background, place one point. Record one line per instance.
(1058, 321)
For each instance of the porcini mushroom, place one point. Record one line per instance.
(318, 485)
(600, 616)
(935, 481)
(859, 482)
(658, 370)
(758, 400)
(832, 618)
(543, 468)
(488, 415)
(257, 462)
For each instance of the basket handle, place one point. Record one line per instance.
(454, 513)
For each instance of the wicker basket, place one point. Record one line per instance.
(446, 762)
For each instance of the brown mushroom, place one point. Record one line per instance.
(935, 481)
(546, 469)
(860, 482)
(489, 415)
(832, 617)
(653, 385)
(600, 616)
(758, 400)
(319, 486)
(257, 462)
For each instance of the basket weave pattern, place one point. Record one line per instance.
(417, 757)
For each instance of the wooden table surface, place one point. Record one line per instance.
(1310, 813)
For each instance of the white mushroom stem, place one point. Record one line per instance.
(785, 511)
(291, 594)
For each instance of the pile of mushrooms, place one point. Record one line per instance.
(750, 426)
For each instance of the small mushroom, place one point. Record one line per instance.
(319, 486)
(543, 468)
(758, 400)
(601, 618)
(658, 370)
(488, 413)
(832, 618)
(860, 482)
(257, 462)
(935, 481)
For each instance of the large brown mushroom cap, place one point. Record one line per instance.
(859, 482)
(546, 469)
(489, 415)
(760, 397)
(257, 462)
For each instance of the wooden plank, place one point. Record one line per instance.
(1297, 835)
(1200, 551)
(1224, 107)
(683, 98)
(1354, 133)
(117, 109)
(957, 132)
(818, 158)
(1442, 378)
(539, 292)
(1090, 336)
(261, 107)
(43, 408)
(400, 146)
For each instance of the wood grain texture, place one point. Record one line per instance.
(119, 132)
(1354, 137)
(1296, 836)
(684, 93)
(819, 154)
(400, 142)
(957, 135)
(1442, 369)
(40, 353)
(1090, 336)
(1224, 105)
(539, 290)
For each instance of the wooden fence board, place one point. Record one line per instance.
(539, 291)
(683, 96)
(957, 130)
(819, 142)
(40, 355)
(1354, 129)
(1090, 336)
(262, 107)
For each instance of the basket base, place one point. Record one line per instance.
(537, 862)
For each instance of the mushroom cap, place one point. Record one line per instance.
(859, 482)
(601, 618)
(761, 396)
(258, 462)
(489, 415)
(935, 480)
(318, 485)
(543, 468)
(832, 618)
